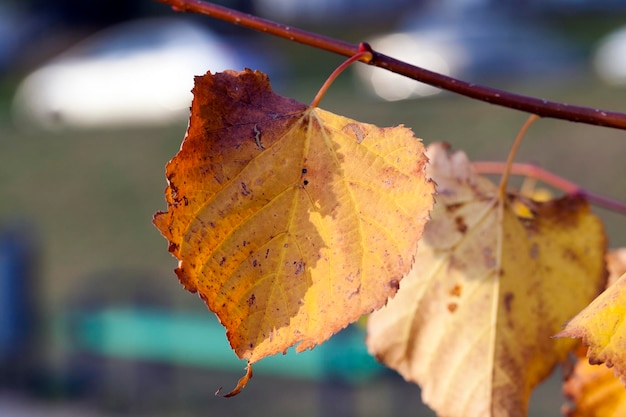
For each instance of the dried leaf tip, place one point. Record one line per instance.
(241, 384)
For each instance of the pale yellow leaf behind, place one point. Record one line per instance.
(473, 320)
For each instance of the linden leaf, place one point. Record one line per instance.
(594, 390)
(602, 327)
(473, 320)
(289, 221)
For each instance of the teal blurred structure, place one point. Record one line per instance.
(193, 339)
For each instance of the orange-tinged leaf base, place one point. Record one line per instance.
(594, 391)
(473, 320)
(290, 222)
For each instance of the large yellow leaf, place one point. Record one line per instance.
(290, 222)
(473, 320)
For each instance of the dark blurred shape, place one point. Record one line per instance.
(18, 305)
(86, 13)
(333, 12)
(136, 73)
(15, 29)
(475, 43)
(580, 6)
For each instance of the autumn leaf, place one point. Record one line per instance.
(602, 324)
(290, 221)
(594, 390)
(473, 320)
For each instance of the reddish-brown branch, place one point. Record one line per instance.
(540, 107)
(535, 172)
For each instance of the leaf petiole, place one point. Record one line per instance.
(509, 162)
(364, 54)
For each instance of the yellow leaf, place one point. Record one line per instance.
(594, 390)
(473, 320)
(290, 222)
(602, 327)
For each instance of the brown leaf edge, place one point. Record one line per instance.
(243, 381)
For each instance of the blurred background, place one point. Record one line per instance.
(93, 103)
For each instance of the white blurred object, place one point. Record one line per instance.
(136, 73)
(444, 59)
(472, 43)
(609, 59)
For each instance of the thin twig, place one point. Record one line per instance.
(516, 144)
(535, 172)
(540, 107)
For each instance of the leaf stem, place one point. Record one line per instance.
(535, 172)
(509, 161)
(538, 106)
(364, 55)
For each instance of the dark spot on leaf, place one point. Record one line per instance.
(222, 261)
(267, 252)
(186, 200)
(595, 361)
(244, 190)
(306, 182)
(304, 170)
(452, 307)
(254, 263)
(299, 267)
(460, 224)
(456, 291)
(453, 207)
(251, 300)
(508, 301)
(395, 284)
